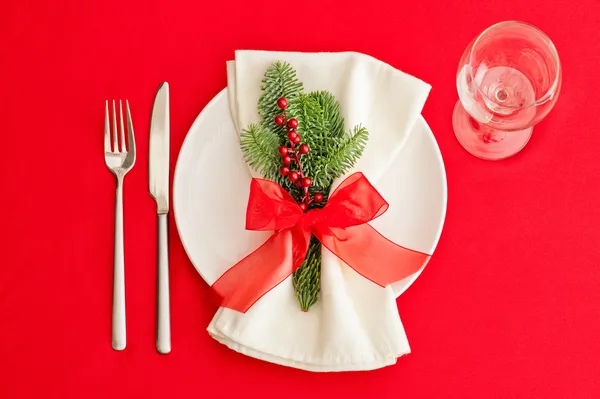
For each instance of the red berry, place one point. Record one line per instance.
(286, 159)
(293, 123)
(318, 197)
(292, 135)
(297, 139)
(282, 103)
(299, 183)
(279, 120)
(284, 170)
(306, 182)
(283, 150)
(304, 149)
(303, 207)
(293, 176)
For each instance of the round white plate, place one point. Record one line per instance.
(211, 187)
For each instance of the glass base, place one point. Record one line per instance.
(483, 141)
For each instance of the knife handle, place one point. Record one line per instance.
(163, 326)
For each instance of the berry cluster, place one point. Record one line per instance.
(290, 156)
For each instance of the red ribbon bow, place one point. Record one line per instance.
(341, 226)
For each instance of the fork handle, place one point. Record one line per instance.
(118, 311)
(163, 325)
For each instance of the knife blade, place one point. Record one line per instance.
(159, 149)
(159, 189)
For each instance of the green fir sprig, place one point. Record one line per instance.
(333, 151)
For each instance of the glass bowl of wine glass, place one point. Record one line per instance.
(508, 79)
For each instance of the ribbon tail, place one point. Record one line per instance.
(370, 254)
(258, 273)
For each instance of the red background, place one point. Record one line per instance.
(508, 307)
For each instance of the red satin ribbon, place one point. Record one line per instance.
(341, 226)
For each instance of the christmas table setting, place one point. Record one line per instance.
(308, 210)
(337, 320)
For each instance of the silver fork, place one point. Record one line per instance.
(119, 162)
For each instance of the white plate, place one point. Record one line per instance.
(211, 186)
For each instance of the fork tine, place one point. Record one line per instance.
(130, 136)
(122, 128)
(115, 132)
(106, 129)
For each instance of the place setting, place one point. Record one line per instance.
(310, 192)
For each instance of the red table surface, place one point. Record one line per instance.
(508, 307)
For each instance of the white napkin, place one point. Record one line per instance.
(355, 324)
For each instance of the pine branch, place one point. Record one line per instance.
(309, 114)
(333, 121)
(279, 81)
(307, 278)
(259, 147)
(341, 158)
(332, 152)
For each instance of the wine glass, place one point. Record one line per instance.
(508, 80)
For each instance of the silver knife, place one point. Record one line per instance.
(159, 189)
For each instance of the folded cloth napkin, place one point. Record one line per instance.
(355, 324)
